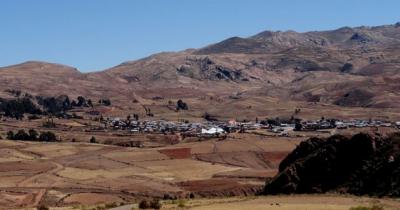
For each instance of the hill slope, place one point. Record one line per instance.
(361, 164)
(353, 69)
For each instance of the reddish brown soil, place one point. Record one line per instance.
(178, 153)
(219, 187)
(274, 157)
(33, 167)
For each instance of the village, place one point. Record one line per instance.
(221, 128)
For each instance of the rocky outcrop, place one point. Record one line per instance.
(203, 68)
(362, 164)
(355, 98)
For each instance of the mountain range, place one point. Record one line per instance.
(347, 72)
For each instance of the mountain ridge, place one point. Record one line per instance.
(345, 68)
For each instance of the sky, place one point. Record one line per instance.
(94, 35)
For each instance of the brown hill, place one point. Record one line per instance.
(352, 70)
(362, 164)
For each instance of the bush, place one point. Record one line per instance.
(347, 67)
(144, 204)
(374, 207)
(33, 117)
(10, 135)
(360, 208)
(21, 135)
(207, 116)
(180, 105)
(48, 136)
(42, 207)
(155, 204)
(33, 134)
(93, 139)
(111, 205)
(105, 102)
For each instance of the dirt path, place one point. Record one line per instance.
(38, 197)
(58, 167)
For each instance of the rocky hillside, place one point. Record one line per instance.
(352, 67)
(362, 165)
(344, 69)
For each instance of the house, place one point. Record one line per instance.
(212, 131)
(340, 125)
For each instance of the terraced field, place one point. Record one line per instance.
(62, 174)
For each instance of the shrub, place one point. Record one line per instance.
(155, 204)
(81, 101)
(33, 134)
(33, 117)
(207, 116)
(10, 135)
(111, 205)
(144, 204)
(42, 207)
(180, 105)
(105, 102)
(347, 67)
(48, 136)
(89, 102)
(360, 208)
(374, 207)
(93, 139)
(21, 135)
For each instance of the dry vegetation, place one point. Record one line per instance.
(60, 174)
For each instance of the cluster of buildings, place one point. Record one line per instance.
(206, 129)
(218, 128)
(365, 123)
(344, 124)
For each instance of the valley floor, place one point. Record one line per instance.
(64, 174)
(289, 202)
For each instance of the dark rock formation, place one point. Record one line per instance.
(355, 98)
(360, 165)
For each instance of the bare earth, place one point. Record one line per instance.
(60, 174)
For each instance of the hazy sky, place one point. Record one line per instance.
(98, 34)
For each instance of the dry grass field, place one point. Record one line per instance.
(75, 172)
(298, 202)
(66, 173)
(290, 202)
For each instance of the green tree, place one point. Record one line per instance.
(21, 135)
(10, 135)
(33, 134)
(180, 105)
(93, 139)
(48, 136)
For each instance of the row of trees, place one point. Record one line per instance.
(57, 106)
(61, 104)
(32, 135)
(16, 108)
